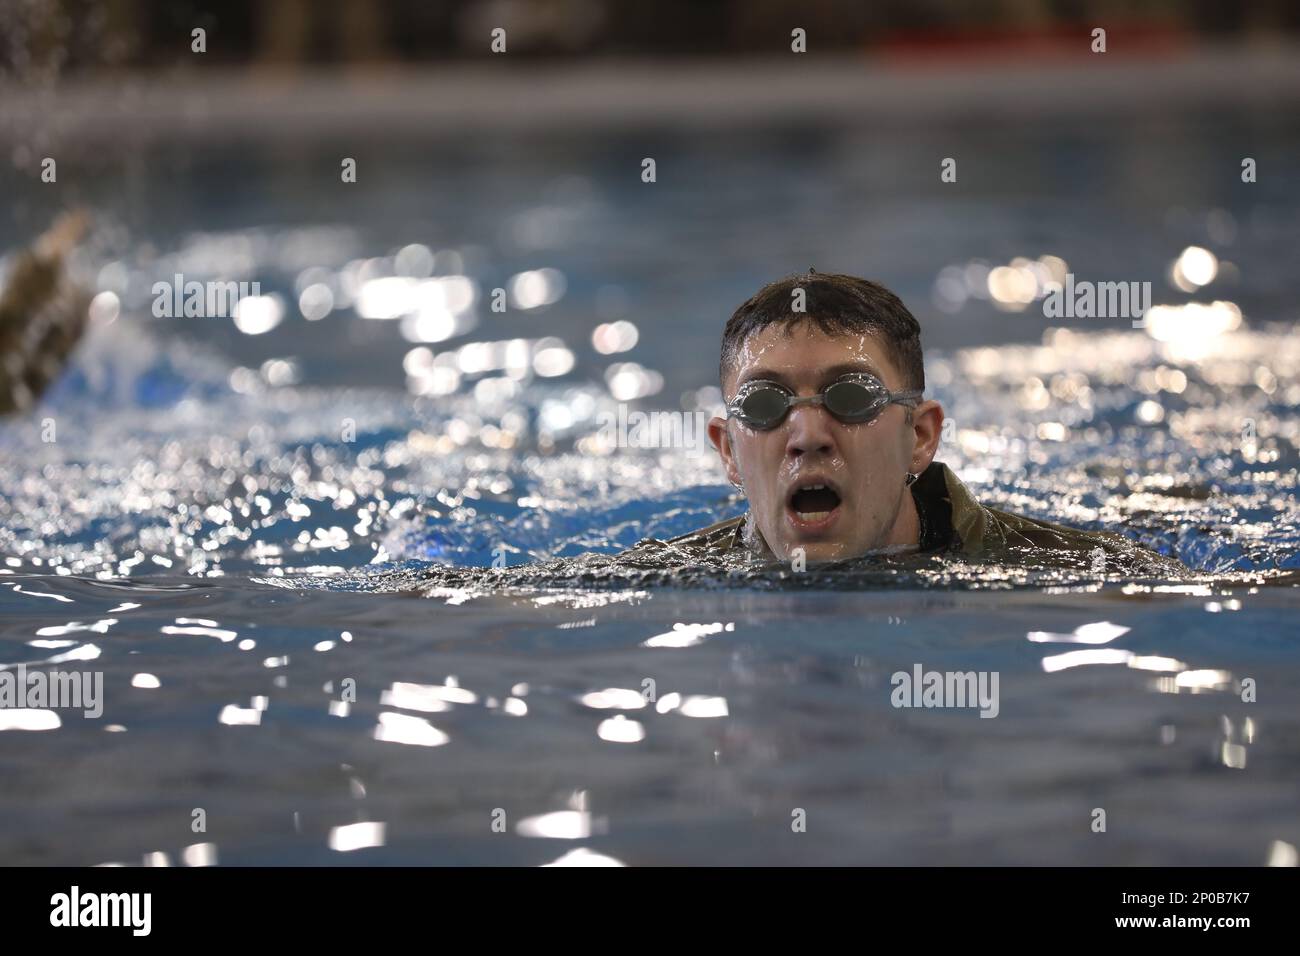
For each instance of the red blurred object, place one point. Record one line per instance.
(967, 44)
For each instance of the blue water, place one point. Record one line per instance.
(200, 522)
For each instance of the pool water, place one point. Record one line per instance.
(286, 572)
(228, 547)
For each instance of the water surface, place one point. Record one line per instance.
(248, 522)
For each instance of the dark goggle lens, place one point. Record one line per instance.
(764, 406)
(854, 401)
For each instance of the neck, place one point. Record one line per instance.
(754, 539)
(907, 526)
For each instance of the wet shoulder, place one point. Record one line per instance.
(1116, 551)
(721, 535)
(988, 531)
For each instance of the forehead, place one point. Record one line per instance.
(798, 353)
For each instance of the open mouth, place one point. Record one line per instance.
(813, 503)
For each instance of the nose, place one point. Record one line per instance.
(809, 430)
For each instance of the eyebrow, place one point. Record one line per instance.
(825, 375)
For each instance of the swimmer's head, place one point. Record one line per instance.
(802, 334)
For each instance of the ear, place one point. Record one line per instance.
(721, 440)
(927, 427)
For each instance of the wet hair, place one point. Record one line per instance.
(836, 305)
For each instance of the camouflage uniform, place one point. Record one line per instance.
(953, 521)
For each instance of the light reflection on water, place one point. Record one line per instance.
(222, 482)
(190, 513)
(403, 744)
(456, 727)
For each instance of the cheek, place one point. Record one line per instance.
(868, 449)
(882, 448)
(742, 455)
(757, 459)
(871, 458)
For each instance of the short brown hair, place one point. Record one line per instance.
(836, 305)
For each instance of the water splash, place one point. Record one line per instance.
(161, 465)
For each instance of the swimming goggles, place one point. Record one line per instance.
(853, 399)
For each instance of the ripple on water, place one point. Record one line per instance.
(1059, 431)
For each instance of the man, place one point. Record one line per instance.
(829, 438)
